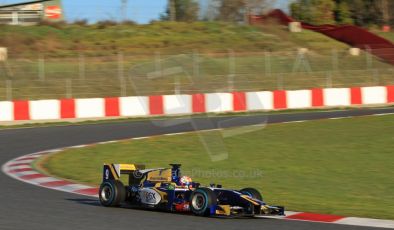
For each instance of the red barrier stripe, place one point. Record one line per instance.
(87, 191)
(280, 100)
(21, 110)
(355, 95)
(156, 105)
(20, 170)
(317, 98)
(56, 183)
(26, 158)
(67, 108)
(112, 108)
(198, 101)
(315, 217)
(390, 93)
(239, 101)
(18, 164)
(33, 176)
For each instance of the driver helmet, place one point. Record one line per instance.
(185, 181)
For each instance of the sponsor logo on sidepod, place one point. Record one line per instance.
(149, 196)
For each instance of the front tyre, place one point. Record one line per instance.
(112, 193)
(253, 193)
(201, 201)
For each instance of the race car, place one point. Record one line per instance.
(165, 189)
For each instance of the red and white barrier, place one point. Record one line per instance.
(142, 106)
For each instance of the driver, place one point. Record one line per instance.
(185, 181)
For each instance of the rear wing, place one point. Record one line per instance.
(114, 171)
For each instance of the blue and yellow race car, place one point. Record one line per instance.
(165, 189)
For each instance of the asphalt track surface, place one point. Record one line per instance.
(24, 206)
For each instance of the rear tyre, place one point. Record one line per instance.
(201, 201)
(112, 193)
(252, 192)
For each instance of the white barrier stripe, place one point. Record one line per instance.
(337, 97)
(29, 157)
(43, 180)
(44, 109)
(106, 142)
(367, 222)
(7, 111)
(177, 104)
(256, 101)
(72, 187)
(134, 106)
(78, 146)
(39, 153)
(383, 114)
(20, 174)
(299, 99)
(287, 214)
(174, 134)
(23, 162)
(374, 95)
(14, 163)
(338, 118)
(90, 107)
(218, 102)
(290, 122)
(19, 167)
(53, 151)
(290, 213)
